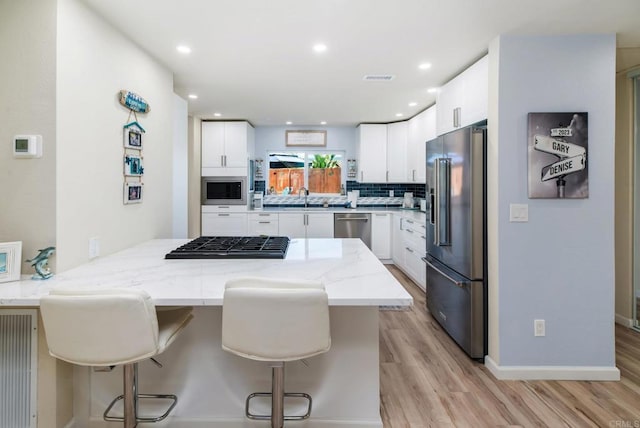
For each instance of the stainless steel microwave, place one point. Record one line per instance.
(224, 191)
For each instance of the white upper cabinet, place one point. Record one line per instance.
(226, 148)
(371, 146)
(464, 100)
(397, 138)
(421, 128)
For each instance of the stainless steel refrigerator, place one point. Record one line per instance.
(456, 236)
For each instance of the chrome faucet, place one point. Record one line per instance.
(306, 193)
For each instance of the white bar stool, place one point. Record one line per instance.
(108, 327)
(277, 321)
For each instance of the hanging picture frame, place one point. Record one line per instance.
(306, 138)
(133, 166)
(558, 144)
(133, 133)
(10, 259)
(132, 193)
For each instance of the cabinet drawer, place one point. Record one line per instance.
(263, 227)
(224, 224)
(263, 216)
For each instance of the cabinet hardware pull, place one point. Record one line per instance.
(361, 176)
(409, 221)
(264, 215)
(264, 222)
(409, 249)
(387, 176)
(413, 175)
(409, 230)
(223, 215)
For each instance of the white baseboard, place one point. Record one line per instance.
(551, 372)
(627, 322)
(233, 423)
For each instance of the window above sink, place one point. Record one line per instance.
(319, 171)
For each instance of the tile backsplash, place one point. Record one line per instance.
(382, 189)
(371, 194)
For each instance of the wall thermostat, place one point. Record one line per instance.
(27, 146)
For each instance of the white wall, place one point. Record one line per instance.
(94, 62)
(273, 138)
(180, 167)
(27, 106)
(560, 265)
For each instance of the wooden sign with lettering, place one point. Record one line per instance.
(134, 102)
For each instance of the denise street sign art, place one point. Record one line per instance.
(558, 155)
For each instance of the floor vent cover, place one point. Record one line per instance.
(18, 368)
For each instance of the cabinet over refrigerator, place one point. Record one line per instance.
(456, 236)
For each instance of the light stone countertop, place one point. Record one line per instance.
(351, 273)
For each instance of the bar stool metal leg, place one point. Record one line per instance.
(130, 380)
(277, 395)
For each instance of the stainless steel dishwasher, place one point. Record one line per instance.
(353, 225)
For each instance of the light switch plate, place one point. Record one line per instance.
(518, 212)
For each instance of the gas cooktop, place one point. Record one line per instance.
(232, 247)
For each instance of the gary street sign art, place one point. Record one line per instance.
(558, 155)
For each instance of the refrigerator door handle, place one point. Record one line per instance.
(436, 205)
(432, 201)
(441, 272)
(443, 202)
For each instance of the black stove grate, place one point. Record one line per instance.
(236, 247)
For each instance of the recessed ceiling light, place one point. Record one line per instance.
(193, 96)
(398, 114)
(184, 49)
(424, 66)
(323, 123)
(217, 114)
(432, 90)
(289, 123)
(319, 47)
(413, 104)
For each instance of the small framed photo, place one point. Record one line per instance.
(133, 138)
(10, 259)
(133, 165)
(132, 193)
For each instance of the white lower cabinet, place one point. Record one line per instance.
(320, 225)
(409, 247)
(381, 235)
(397, 240)
(224, 224)
(263, 224)
(306, 225)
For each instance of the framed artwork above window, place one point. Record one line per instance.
(306, 138)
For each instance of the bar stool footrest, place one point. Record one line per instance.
(172, 397)
(286, 418)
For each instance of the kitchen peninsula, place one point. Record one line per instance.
(212, 384)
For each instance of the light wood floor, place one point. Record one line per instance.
(427, 381)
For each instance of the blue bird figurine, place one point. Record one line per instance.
(40, 263)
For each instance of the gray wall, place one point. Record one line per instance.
(338, 138)
(28, 106)
(560, 265)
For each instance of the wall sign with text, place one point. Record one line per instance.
(558, 145)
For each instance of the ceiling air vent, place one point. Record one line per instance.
(379, 77)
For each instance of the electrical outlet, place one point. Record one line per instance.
(538, 328)
(94, 248)
(391, 193)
